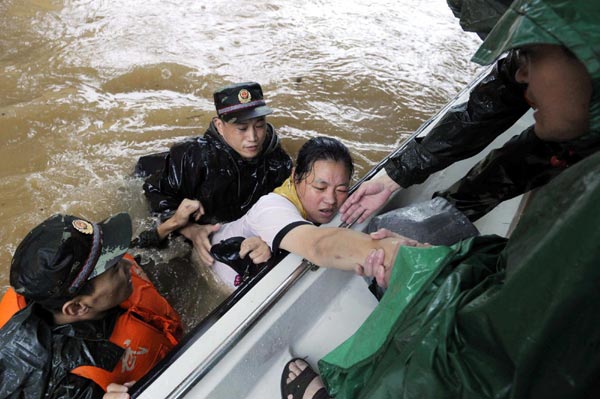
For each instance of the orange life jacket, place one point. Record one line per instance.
(147, 330)
(10, 304)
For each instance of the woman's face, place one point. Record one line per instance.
(559, 89)
(324, 190)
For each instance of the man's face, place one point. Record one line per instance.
(246, 137)
(324, 190)
(110, 288)
(559, 89)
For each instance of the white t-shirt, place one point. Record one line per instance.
(271, 218)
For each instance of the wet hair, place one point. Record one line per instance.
(570, 53)
(525, 50)
(321, 149)
(55, 304)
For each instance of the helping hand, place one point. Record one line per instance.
(369, 197)
(186, 209)
(257, 249)
(118, 391)
(200, 234)
(374, 263)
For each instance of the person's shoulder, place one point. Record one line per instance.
(193, 148)
(279, 155)
(189, 144)
(30, 316)
(269, 203)
(279, 164)
(273, 199)
(25, 354)
(27, 332)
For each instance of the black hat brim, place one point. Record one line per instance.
(236, 117)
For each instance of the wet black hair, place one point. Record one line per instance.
(321, 149)
(571, 53)
(55, 304)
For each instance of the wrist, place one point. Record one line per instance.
(166, 228)
(148, 239)
(389, 184)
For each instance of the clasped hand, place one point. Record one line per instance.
(374, 263)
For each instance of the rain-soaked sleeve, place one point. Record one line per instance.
(525, 162)
(76, 387)
(177, 180)
(494, 105)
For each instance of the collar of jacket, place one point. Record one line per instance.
(88, 341)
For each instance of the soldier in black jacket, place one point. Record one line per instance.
(218, 177)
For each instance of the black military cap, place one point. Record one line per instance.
(59, 255)
(241, 101)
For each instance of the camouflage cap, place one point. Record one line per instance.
(572, 24)
(59, 255)
(241, 101)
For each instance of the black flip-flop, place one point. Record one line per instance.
(297, 387)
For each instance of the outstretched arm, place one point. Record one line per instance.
(339, 248)
(494, 105)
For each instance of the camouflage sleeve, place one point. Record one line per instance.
(522, 164)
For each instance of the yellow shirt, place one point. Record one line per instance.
(288, 190)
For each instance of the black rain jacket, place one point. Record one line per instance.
(525, 162)
(209, 170)
(36, 356)
(494, 105)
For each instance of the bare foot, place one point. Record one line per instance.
(315, 385)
